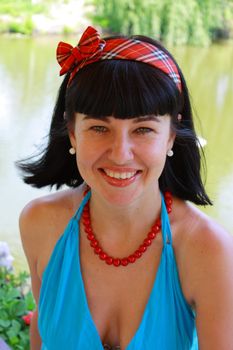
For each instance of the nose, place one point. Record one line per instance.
(121, 149)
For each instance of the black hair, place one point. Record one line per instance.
(122, 89)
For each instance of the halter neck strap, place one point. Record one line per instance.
(78, 213)
(165, 228)
(165, 224)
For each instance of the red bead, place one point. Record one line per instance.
(155, 228)
(109, 260)
(151, 235)
(116, 262)
(90, 236)
(85, 192)
(131, 259)
(142, 248)
(147, 241)
(168, 201)
(124, 262)
(169, 209)
(88, 230)
(103, 256)
(86, 214)
(138, 254)
(94, 243)
(86, 221)
(97, 250)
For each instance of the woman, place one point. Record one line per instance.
(121, 259)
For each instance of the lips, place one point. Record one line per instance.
(121, 177)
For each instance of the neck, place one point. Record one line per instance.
(120, 223)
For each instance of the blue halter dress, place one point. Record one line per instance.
(65, 321)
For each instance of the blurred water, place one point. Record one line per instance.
(29, 82)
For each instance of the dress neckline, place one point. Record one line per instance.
(152, 295)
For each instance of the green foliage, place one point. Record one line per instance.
(127, 17)
(20, 12)
(21, 7)
(174, 22)
(25, 27)
(16, 16)
(67, 30)
(16, 301)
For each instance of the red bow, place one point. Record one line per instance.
(88, 49)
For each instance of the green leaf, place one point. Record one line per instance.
(24, 340)
(18, 308)
(24, 336)
(4, 314)
(20, 347)
(16, 300)
(13, 340)
(13, 294)
(30, 303)
(16, 326)
(2, 293)
(5, 323)
(12, 335)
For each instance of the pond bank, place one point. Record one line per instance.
(60, 18)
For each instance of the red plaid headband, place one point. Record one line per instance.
(92, 49)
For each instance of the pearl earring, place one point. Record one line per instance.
(72, 150)
(170, 153)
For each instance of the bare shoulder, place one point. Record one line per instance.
(210, 269)
(202, 234)
(205, 238)
(43, 220)
(46, 211)
(43, 210)
(210, 248)
(200, 245)
(206, 265)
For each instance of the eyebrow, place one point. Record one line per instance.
(146, 118)
(135, 120)
(88, 117)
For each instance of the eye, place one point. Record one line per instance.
(143, 130)
(99, 129)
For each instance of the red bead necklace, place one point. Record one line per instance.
(138, 252)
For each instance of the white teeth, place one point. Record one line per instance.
(117, 175)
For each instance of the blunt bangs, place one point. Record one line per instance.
(122, 89)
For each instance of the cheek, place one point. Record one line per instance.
(87, 153)
(153, 152)
(84, 160)
(154, 158)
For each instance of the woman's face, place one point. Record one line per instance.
(121, 159)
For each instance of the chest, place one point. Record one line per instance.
(117, 297)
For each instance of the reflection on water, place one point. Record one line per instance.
(30, 79)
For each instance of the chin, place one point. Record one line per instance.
(120, 197)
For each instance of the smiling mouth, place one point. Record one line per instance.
(120, 175)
